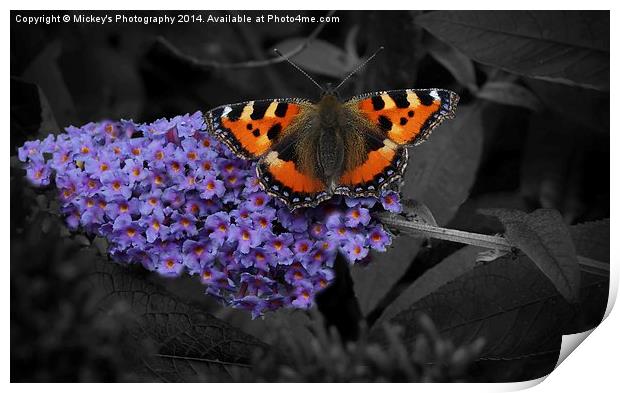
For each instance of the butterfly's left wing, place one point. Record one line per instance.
(395, 119)
(251, 129)
(406, 117)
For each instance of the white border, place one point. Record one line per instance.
(592, 367)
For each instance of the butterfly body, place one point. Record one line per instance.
(307, 152)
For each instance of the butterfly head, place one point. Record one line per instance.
(330, 91)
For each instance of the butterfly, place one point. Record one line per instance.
(308, 152)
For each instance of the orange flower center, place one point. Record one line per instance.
(206, 143)
(103, 167)
(210, 186)
(90, 203)
(206, 165)
(185, 222)
(355, 214)
(298, 276)
(156, 225)
(277, 245)
(116, 186)
(303, 247)
(222, 227)
(85, 150)
(192, 155)
(159, 155)
(206, 275)
(153, 201)
(124, 208)
(176, 166)
(375, 237)
(136, 151)
(199, 250)
(158, 180)
(170, 263)
(131, 232)
(136, 171)
(245, 236)
(357, 250)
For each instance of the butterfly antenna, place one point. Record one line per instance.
(359, 67)
(299, 69)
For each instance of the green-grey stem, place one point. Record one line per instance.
(475, 239)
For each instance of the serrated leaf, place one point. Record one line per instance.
(543, 236)
(447, 270)
(320, 57)
(569, 47)
(460, 66)
(510, 304)
(192, 345)
(509, 93)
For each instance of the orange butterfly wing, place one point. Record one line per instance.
(401, 118)
(407, 117)
(251, 128)
(261, 130)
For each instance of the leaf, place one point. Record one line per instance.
(509, 93)
(31, 115)
(592, 239)
(460, 66)
(371, 283)
(569, 47)
(45, 72)
(440, 173)
(106, 83)
(589, 108)
(511, 305)
(321, 57)
(192, 345)
(543, 236)
(447, 270)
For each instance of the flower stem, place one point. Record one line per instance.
(476, 239)
(453, 235)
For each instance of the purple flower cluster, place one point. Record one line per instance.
(170, 197)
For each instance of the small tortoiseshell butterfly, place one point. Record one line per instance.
(307, 152)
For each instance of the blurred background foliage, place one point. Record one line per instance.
(532, 131)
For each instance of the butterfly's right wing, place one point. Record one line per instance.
(273, 131)
(251, 129)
